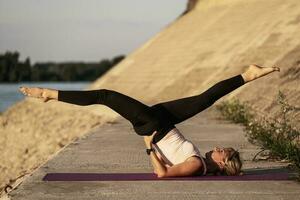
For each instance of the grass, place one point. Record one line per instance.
(277, 135)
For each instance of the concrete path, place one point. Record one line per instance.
(116, 148)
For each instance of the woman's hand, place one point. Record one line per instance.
(148, 140)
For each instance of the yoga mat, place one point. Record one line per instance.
(153, 177)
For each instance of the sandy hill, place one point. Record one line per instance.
(216, 40)
(213, 41)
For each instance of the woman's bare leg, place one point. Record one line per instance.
(181, 109)
(45, 94)
(139, 114)
(255, 71)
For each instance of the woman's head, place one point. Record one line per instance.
(224, 161)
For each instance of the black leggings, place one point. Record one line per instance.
(160, 117)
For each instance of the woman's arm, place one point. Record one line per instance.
(158, 165)
(186, 168)
(182, 169)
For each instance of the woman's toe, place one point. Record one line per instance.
(276, 68)
(22, 90)
(25, 91)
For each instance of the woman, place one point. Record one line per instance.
(170, 152)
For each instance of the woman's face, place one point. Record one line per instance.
(219, 154)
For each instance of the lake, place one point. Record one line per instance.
(10, 94)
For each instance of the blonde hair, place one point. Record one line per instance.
(233, 163)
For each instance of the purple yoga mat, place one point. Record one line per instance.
(153, 177)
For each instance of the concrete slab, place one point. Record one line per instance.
(116, 148)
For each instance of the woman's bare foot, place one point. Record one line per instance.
(37, 92)
(254, 71)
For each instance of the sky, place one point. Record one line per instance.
(81, 30)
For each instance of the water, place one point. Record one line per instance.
(10, 94)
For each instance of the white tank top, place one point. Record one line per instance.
(174, 148)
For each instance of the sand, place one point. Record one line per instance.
(32, 131)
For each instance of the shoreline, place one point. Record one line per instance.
(9, 93)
